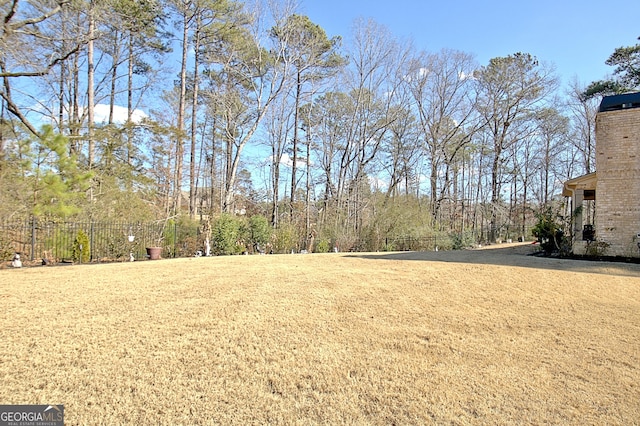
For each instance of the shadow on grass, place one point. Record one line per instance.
(518, 255)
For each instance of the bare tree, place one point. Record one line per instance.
(553, 136)
(331, 115)
(24, 30)
(249, 75)
(401, 152)
(582, 112)
(509, 89)
(279, 126)
(310, 56)
(373, 80)
(442, 90)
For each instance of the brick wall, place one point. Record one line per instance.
(618, 187)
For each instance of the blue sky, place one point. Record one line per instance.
(576, 36)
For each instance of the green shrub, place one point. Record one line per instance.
(462, 240)
(259, 231)
(225, 235)
(81, 248)
(550, 234)
(389, 246)
(285, 238)
(183, 236)
(322, 246)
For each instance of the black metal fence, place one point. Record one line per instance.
(40, 241)
(107, 242)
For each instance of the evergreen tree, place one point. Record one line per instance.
(626, 75)
(57, 184)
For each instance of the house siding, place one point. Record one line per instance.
(618, 184)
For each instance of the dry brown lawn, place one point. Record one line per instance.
(471, 337)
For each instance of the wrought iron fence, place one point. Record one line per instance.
(114, 241)
(117, 241)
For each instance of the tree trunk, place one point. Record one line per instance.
(90, 87)
(130, 99)
(308, 189)
(194, 121)
(2, 139)
(433, 180)
(213, 169)
(495, 198)
(275, 165)
(181, 111)
(294, 158)
(63, 71)
(74, 125)
(115, 58)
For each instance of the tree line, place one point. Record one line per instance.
(157, 109)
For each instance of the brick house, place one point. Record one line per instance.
(614, 187)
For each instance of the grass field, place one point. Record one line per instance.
(470, 337)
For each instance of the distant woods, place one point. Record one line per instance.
(149, 109)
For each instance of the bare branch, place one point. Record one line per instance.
(32, 21)
(45, 71)
(13, 109)
(12, 12)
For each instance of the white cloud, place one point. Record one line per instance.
(101, 114)
(287, 161)
(464, 76)
(377, 183)
(419, 75)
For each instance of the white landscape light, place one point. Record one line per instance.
(131, 239)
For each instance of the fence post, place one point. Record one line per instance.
(33, 238)
(91, 248)
(175, 238)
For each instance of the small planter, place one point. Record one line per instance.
(154, 253)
